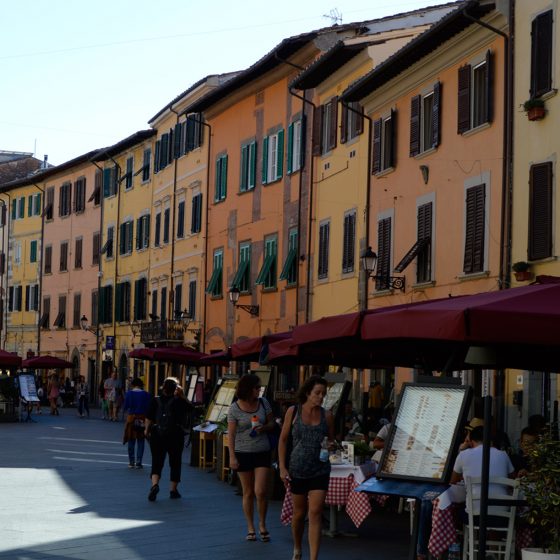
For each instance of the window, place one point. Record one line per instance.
(325, 127)
(157, 233)
(178, 301)
(540, 211)
(296, 146)
(60, 321)
(33, 250)
(65, 199)
(425, 121)
(248, 166)
(32, 297)
(541, 54)
(349, 242)
(242, 278)
(214, 287)
(129, 173)
(351, 122)
(384, 245)
(105, 304)
(48, 259)
(323, 258)
(146, 165)
(34, 205)
(122, 302)
(273, 157)
(96, 248)
(94, 307)
(220, 191)
(166, 222)
(181, 220)
(18, 208)
(154, 313)
(163, 308)
(48, 211)
(46, 311)
(107, 249)
(110, 181)
(164, 151)
(474, 229)
(290, 268)
(63, 256)
(17, 252)
(77, 311)
(140, 299)
(80, 195)
(143, 232)
(384, 143)
(96, 194)
(424, 236)
(2, 262)
(196, 213)
(192, 299)
(193, 130)
(474, 105)
(14, 298)
(78, 253)
(267, 274)
(126, 236)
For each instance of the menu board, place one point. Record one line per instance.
(219, 406)
(27, 388)
(425, 432)
(334, 392)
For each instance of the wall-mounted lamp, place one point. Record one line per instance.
(425, 173)
(135, 327)
(234, 294)
(84, 323)
(385, 282)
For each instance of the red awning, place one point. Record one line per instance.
(222, 358)
(250, 350)
(9, 360)
(176, 355)
(46, 362)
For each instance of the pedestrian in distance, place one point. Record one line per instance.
(306, 472)
(250, 419)
(136, 403)
(166, 422)
(82, 392)
(53, 392)
(111, 387)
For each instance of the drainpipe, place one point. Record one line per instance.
(6, 261)
(309, 228)
(507, 183)
(40, 269)
(368, 190)
(171, 299)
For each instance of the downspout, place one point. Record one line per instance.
(368, 192)
(309, 228)
(171, 299)
(7, 260)
(507, 183)
(40, 271)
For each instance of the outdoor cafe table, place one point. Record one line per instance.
(344, 479)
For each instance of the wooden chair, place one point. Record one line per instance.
(500, 547)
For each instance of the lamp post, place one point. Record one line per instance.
(234, 293)
(384, 281)
(84, 323)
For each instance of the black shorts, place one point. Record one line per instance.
(251, 461)
(305, 485)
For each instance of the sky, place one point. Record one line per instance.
(77, 75)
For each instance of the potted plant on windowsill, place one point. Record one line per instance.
(535, 109)
(541, 487)
(521, 271)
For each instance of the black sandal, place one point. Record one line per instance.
(251, 537)
(265, 536)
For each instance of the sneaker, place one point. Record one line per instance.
(130, 465)
(174, 495)
(153, 493)
(138, 466)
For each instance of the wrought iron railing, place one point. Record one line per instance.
(168, 330)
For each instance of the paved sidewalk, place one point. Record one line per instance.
(66, 493)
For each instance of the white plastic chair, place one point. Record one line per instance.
(499, 547)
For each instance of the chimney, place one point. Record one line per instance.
(45, 161)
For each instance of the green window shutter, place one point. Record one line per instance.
(280, 155)
(266, 268)
(30, 205)
(139, 233)
(244, 182)
(265, 161)
(237, 279)
(224, 176)
(33, 251)
(22, 207)
(218, 180)
(130, 230)
(252, 165)
(288, 264)
(14, 209)
(37, 204)
(213, 284)
(106, 182)
(290, 147)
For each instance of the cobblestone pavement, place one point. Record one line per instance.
(66, 493)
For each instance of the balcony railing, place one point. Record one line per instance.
(168, 330)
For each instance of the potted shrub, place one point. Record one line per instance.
(541, 486)
(535, 109)
(521, 271)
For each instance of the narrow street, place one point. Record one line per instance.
(66, 492)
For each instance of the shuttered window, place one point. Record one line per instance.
(33, 251)
(65, 199)
(157, 232)
(351, 121)
(267, 274)
(129, 173)
(178, 301)
(98, 185)
(80, 195)
(273, 157)
(290, 268)
(166, 225)
(220, 190)
(63, 256)
(110, 181)
(140, 299)
(425, 121)
(96, 242)
(94, 308)
(48, 259)
(349, 242)
(163, 304)
(540, 211)
(541, 54)
(424, 232)
(242, 278)
(77, 311)
(196, 213)
(106, 304)
(384, 253)
(143, 232)
(126, 236)
(48, 211)
(296, 146)
(122, 302)
(475, 217)
(323, 259)
(181, 219)
(192, 299)
(248, 167)
(384, 143)
(215, 284)
(44, 321)
(78, 253)
(147, 158)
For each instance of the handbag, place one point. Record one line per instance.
(138, 425)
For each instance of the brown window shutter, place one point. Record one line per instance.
(424, 231)
(474, 230)
(464, 99)
(334, 122)
(415, 125)
(393, 144)
(436, 115)
(343, 124)
(376, 147)
(317, 129)
(383, 247)
(359, 118)
(78, 256)
(489, 86)
(540, 211)
(541, 54)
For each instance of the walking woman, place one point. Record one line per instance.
(53, 393)
(249, 420)
(307, 476)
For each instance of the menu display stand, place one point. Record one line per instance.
(28, 395)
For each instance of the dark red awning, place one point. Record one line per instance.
(46, 362)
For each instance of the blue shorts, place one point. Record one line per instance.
(305, 485)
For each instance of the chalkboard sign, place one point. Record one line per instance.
(27, 388)
(425, 432)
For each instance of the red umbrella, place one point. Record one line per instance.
(46, 362)
(140, 354)
(9, 360)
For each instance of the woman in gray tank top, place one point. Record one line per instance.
(306, 475)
